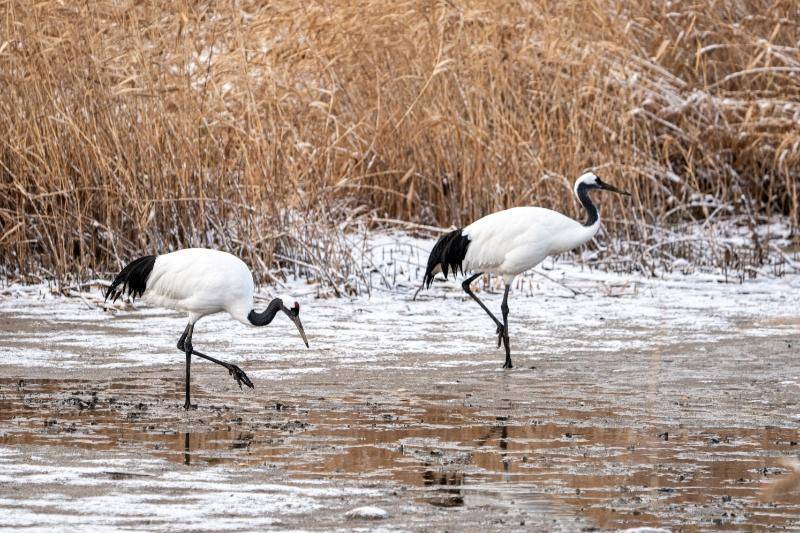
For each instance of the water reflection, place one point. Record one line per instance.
(448, 487)
(500, 431)
(614, 475)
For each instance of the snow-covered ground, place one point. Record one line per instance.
(563, 307)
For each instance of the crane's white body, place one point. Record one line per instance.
(201, 282)
(512, 241)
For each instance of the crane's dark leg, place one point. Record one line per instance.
(465, 285)
(185, 345)
(183, 337)
(504, 309)
(237, 373)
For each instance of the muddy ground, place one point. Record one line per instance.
(654, 405)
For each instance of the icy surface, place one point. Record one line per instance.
(128, 491)
(612, 355)
(368, 513)
(571, 308)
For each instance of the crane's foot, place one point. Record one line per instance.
(508, 363)
(239, 375)
(188, 405)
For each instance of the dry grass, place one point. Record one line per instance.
(131, 127)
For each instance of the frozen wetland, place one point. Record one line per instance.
(634, 402)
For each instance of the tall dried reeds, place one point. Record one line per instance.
(133, 127)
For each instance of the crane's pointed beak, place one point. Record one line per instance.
(607, 187)
(294, 314)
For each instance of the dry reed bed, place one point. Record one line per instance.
(271, 128)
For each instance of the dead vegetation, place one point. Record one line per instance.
(133, 127)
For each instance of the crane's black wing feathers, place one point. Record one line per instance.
(449, 252)
(132, 279)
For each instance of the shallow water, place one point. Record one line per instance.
(445, 451)
(676, 407)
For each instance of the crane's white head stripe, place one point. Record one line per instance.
(587, 178)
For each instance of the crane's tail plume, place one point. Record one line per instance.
(448, 254)
(132, 279)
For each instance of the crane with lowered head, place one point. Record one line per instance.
(199, 282)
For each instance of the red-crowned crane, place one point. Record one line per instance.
(199, 282)
(512, 241)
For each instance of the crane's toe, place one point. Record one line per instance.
(240, 377)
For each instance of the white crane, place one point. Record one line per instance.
(199, 282)
(512, 241)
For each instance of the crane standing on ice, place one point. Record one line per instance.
(512, 241)
(200, 282)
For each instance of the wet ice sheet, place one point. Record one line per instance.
(634, 403)
(430, 455)
(124, 492)
(546, 320)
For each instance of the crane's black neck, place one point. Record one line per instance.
(266, 316)
(588, 205)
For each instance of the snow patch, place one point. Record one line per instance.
(367, 513)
